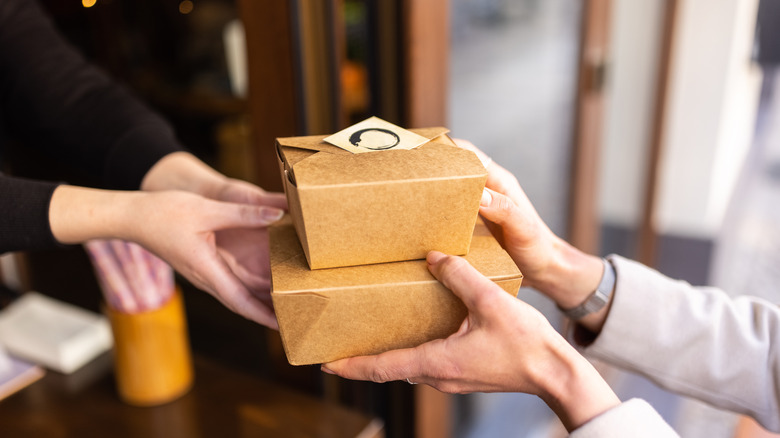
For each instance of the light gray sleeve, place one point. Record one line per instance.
(695, 341)
(634, 418)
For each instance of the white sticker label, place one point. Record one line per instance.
(373, 135)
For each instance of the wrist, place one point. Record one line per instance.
(574, 390)
(183, 171)
(571, 276)
(598, 299)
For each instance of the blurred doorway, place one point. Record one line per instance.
(513, 93)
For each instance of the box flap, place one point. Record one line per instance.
(307, 309)
(309, 161)
(291, 274)
(431, 132)
(313, 143)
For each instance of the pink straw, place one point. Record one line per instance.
(132, 279)
(116, 288)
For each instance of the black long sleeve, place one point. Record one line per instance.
(25, 214)
(53, 99)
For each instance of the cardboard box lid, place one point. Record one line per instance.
(291, 274)
(314, 163)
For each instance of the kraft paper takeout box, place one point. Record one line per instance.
(329, 314)
(357, 209)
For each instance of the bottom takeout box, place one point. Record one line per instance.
(330, 314)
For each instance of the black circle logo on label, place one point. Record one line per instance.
(355, 139)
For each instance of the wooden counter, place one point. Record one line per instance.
(223, 402)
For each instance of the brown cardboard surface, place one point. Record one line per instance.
(355, 209)
(329, 314)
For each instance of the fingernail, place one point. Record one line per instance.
(326, 369)
(271, 214)
(435, 257)
(487, 198)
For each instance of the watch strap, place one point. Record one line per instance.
(599, 298)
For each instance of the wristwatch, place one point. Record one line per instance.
(599, 298)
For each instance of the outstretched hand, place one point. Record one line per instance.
(245, 249)
(503, 345)
(514, 221)
(218, 246)
(181, 228)
(498, 327)
(549, 264)
(242, 192)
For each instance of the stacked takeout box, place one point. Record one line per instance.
(349, 275)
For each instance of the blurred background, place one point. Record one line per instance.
(647, 128)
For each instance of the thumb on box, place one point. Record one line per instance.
(500, 210)
(474, 289)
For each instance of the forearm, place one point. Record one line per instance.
(695, 341)
(588, 407)
(573, 389)
(78, 214)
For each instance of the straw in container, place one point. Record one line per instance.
(132, 279)
(153, 363)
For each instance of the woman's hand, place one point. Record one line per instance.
(502, 345)
(514, 222)
(244, 249)
(181, 228)
(549, 264)
(184, 171)
(242, 192)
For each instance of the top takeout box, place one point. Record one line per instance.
(354, 209)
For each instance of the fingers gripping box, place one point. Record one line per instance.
(389, 205)
(330, 314)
